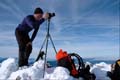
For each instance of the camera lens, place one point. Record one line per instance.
(51, 15)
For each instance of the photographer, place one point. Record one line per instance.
(31, 22)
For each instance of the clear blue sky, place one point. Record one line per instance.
(87, 27)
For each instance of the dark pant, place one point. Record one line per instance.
(24, 51)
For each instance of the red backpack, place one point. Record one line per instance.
(64, 59)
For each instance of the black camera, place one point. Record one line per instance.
(51, 15)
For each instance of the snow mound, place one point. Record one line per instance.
(59, 73)
(9, 71)
(7, 67)
(34, 72)
(100, 70)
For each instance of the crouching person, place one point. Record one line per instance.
(114, 74)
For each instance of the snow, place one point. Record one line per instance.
(32, 73)
(59, 73)
(100, 70)
(7, 67)
(9, 71)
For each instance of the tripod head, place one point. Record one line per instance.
(51, 15)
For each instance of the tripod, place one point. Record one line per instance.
(47, 38)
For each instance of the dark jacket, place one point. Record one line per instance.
(29, 23)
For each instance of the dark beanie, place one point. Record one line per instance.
(38, 10)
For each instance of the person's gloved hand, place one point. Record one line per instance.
(46, 15)
(29, 43)
(28, 50)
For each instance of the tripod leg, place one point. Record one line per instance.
(45, 55)
(41, 49)
(53, 44)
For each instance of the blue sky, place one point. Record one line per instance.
(88, 27)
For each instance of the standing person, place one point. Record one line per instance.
(29, 23)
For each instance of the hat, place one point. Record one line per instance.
(38, 10)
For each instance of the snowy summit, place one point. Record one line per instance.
(9, 70)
